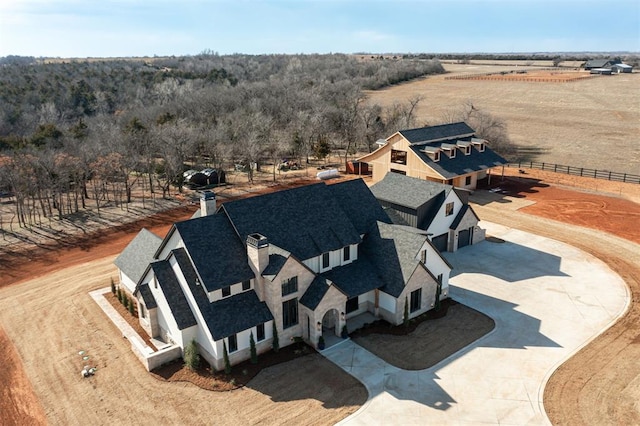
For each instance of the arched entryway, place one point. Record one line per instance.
(331, 322)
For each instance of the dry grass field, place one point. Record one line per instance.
(592, 123)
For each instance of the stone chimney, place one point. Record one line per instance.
(207, 203)
(258, 252)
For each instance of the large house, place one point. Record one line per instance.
(448, 153)
(300, 262)
(439, 209)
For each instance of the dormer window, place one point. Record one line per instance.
(467, 150)
(436, 156)
(433, 152)
(479, 144)
(452, 153)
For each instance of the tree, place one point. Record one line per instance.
(225, 354)
(276, 342)
(113, 287)
(252, 346)
(191, 356)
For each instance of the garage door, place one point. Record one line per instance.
(440, 242)
(464, 238)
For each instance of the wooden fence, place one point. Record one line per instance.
(579, 171)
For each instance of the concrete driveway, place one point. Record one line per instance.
(548, 299)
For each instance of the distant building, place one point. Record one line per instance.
(447, 153)
(624, 68)
(601, 63)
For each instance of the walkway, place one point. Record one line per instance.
(548, 300)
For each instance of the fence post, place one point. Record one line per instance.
(609, 174)
(555, 167)
(624, 178)
(581, 169)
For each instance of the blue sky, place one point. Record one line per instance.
(88, 28)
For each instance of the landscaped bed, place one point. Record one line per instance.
(428, 339)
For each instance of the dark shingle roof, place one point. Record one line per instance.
(407, 191)
(307, 221)
(359, 204)
(147, 296)
(393, 251)
(433, 133)
(276, 262)
(219, 256)
(236, 313)
(357, 277)
(314, 294)
(173, 294)
(461, 164)
(136, 256)
(229, 315)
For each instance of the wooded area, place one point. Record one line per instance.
(79, 129)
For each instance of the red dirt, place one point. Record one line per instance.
(18, 404)
(614, 215)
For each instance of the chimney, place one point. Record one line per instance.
(258, 252)
(207, 203)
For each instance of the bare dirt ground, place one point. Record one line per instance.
(48, 284)
(600, 385)
(592, 123)
(533, 76)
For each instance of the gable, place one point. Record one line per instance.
(137, 255)
(219, 256)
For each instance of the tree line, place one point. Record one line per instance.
(95, 129)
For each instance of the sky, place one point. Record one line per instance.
(117, 28)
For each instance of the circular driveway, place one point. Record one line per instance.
(548, 299)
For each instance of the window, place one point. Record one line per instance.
(346, 253)
(452, 153)
(325, 260)
(233, 343)
(449, 209)
(416, 300)
(467, 180)
(226, 291)
(423, 256)
(400, 172)
(246, 285)
(143, 311)
(260, 332)
(436, 156)
(481, 147)
(467, 150)
(398, 157)
(290, 313)
(289, 286)
(352, 305)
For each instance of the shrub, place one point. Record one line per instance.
(276, 342)
(405, 317)
(227, 364)
(438, 291)
(254, 353)
(119, 294)
(132, 309)
(113, 287)
(125, 300)
(191, 356)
